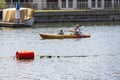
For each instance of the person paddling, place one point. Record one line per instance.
(77, 30)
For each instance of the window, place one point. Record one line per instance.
(70, 3)
(63, 3)
(99, 3)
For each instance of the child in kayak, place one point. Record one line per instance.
(61, 32)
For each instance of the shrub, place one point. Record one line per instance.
(2, 4)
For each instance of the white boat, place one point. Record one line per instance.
(27, 23)
(17, 17)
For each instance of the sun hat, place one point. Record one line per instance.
(77, 25)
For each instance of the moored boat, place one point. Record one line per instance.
(27, 23)
(57, 36)
(17, 17)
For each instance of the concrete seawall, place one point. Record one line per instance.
(77, 16)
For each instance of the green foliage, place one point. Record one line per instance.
(2, 4)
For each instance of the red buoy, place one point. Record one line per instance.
(20, 55)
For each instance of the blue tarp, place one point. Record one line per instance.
(17, 5)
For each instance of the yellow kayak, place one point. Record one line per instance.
(57, 36)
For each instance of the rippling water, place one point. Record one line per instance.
(94, 58)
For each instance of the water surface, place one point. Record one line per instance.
(94, 58)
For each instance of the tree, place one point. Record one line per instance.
(2, 4)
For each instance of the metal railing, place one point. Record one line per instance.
(51, 6)
(59, 6)
(22, 4)
(82, 5)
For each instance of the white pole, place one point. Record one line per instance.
(11, 3)
(113, 4)
(17, 12)
(67, 3)
(59, 4)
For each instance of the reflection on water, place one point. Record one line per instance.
(71, 24)
(94, 58)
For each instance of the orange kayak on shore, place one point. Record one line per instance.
(57, 36)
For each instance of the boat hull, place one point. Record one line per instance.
(27, 23)
(56, 36)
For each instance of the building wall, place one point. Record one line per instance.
(40, 4)
(69, 4)
(80, 16)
